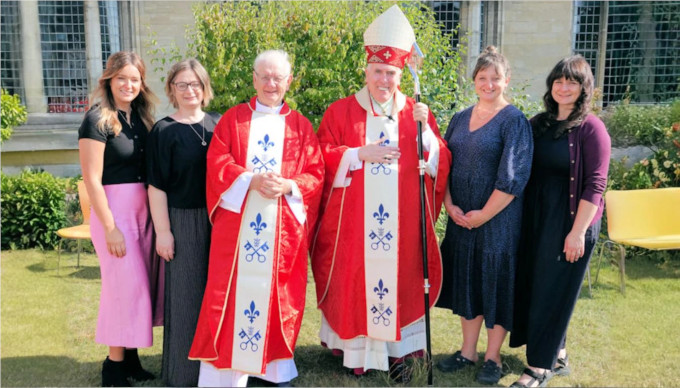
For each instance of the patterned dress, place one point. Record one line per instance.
(479, 264)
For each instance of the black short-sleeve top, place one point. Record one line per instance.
(124, 154)
(176, 161)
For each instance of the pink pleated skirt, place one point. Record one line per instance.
(132, 289)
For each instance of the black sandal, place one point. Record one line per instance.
(541, 379)
(454, 363)
(562, 366)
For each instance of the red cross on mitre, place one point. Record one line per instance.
(388, 55)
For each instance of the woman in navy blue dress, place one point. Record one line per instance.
(492, 147)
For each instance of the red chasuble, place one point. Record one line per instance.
(338, 247)
(301, 162)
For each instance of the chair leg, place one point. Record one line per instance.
(78, 265)
(622, 268)
(599, 260)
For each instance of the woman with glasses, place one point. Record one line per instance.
(178, 145)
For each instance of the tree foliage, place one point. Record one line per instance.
(325, 42)
(13, 114)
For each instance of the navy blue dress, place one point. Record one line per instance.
(479, 265)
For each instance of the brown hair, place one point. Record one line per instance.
(573, 68)
(143, 103)
(198, 69)
(491, 57)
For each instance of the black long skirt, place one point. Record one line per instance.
(547, 286)
(185, 278)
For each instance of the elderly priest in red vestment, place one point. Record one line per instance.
(367, 252)
(264, 181)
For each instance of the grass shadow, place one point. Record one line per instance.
(41, 267)
(88, 273)
(49, 371)
(58, 371)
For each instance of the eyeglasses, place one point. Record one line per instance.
(182, 86)
(278, 80)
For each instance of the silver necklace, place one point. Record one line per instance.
(203, 143)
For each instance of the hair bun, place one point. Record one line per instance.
(490, 50)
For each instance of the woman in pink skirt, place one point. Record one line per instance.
(112, 142)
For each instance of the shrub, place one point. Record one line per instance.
(660, 170)
(325, 42)
(638, 124)
(13, 114)
(33, 205)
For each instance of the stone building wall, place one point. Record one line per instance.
(535, 36)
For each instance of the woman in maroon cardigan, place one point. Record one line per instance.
(561, 219)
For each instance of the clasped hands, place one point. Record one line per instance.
(470, 220)
(375, 152)
(270, 185)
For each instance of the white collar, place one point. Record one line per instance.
(266, 109)
(386, 108)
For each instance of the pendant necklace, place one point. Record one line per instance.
(203, 142)
(384, 107)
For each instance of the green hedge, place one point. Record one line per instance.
(640, 124)
(13, 114)
(33, 209)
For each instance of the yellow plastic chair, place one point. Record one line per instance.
(78, 232)
(648, 218)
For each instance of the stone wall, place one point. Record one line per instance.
(169, 20)
(535, 36)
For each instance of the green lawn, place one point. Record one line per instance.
(48, 324)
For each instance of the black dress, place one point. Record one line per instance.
(177, 166)
(547, 285)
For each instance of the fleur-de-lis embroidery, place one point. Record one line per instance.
(381, 291)
(265, 143)
(381, 215)
(258, 225)
(251, 313)
(386, 142)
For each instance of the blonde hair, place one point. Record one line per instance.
(143, 103)
(491, 57)
(198, 69)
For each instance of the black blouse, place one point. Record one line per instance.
(176, 161)
(124, 159)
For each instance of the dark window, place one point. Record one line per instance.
(10, 48)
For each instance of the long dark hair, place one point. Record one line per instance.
(573, 68)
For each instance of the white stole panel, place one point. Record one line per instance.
(257, 243)
(381, 228)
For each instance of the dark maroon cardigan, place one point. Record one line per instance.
(589, 154)
(589, 151)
